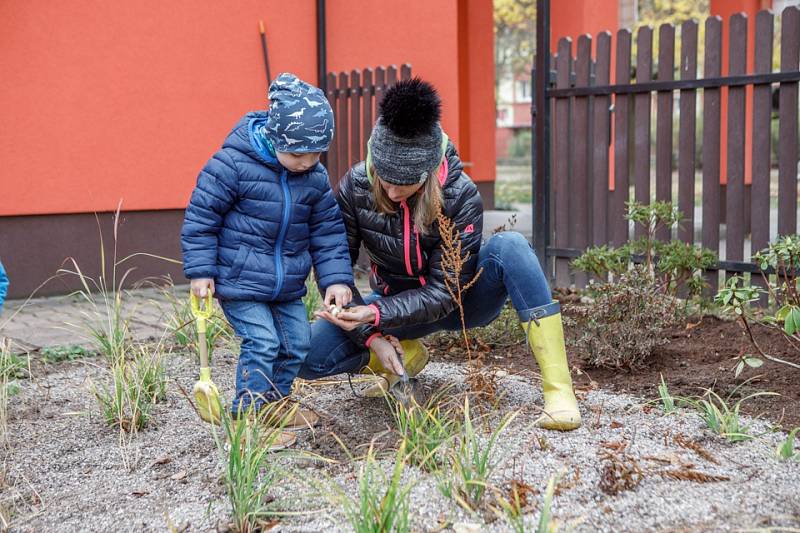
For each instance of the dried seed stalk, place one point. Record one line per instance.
(453, 261)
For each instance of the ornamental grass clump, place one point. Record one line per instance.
(471, 461)
(425, 429)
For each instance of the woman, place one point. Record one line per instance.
(390, 204)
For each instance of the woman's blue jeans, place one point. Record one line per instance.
(275, 342)
(510, 269)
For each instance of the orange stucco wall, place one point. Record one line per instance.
(102, 101)
(476, 67)
(573, 18)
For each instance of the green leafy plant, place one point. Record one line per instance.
(723, 417)
(136, 385)
(667, 401)
(471, 462)
(313, 299)
(424, 429)
(670, 264)
(624, 322)
(251, 470)
(786, 451)
(382, 502)
(602, 260)
(737, 299)
(57, 354)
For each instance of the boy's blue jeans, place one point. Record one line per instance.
(275, 342)
(510, 269)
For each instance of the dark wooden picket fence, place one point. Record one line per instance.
(354, 98)
(587, 204)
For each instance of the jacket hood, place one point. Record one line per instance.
(240, 138)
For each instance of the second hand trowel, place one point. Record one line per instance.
(407, 391)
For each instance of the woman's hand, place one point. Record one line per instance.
(350, 318)
(389, 353)
(339, 294)
(202, 286)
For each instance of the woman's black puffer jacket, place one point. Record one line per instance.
(406, 265)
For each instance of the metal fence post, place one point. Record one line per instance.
(540, 145)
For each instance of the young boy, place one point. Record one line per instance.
(262, 214)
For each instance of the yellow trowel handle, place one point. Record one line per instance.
(202, 314)
(200, 311)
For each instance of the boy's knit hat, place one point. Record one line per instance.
(406, 143)
(300, 120)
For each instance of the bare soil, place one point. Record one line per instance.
(701, 354)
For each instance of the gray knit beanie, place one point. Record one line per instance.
(406, 143)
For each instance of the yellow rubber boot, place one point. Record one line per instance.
(547, 344)
(415, 359)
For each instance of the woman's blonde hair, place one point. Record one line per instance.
(429, 200)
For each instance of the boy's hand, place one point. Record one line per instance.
(202, 286)
(339, 293)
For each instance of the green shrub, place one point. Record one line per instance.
(783, 291)
(625, 322)
(626, 319)
(672, 264)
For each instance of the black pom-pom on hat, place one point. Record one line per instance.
(411, 108)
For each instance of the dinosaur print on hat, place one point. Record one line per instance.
(289, 128)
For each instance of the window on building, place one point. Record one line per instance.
(523, 91)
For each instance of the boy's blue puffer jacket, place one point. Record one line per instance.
(256, 228)
(3, 286)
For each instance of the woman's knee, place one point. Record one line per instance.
(330, 347)
(511, 246)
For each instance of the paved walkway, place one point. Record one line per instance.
(57, 320)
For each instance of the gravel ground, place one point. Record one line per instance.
(66, 471)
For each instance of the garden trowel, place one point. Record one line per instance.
(406, 390)
(206, 394)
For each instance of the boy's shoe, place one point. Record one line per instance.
(281, 441)
(271, 438)
(288, 415)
